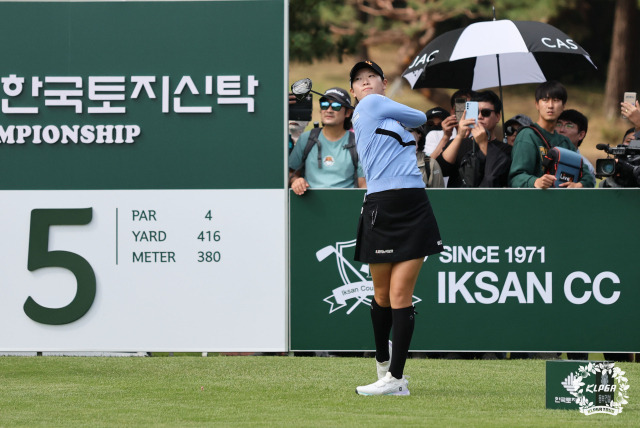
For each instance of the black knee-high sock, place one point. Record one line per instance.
(381, 319)
(403, 324)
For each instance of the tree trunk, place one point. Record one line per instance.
(620, 62)
(362, 52)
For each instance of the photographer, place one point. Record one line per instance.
(299, 118)
(624, 169)
(632, 113)
(476, 157)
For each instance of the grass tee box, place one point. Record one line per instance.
(270, 391)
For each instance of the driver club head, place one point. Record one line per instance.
(301, 88)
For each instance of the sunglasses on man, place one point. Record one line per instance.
(486, 112)
(335, 106)
(511, 130)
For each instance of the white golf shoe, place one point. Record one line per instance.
(388, 385)
(383, 368)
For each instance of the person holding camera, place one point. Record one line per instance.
(624, 169)
(297, 121)
(632, 113)
(475, 157)
(326, 157)
(446, 129)
(527, 167)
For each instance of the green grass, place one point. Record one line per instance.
(274, 391)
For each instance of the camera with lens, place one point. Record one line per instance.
(301, 109)
(623, 168)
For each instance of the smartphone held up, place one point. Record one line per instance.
(459, 107)
(629, 97)
(471, 111)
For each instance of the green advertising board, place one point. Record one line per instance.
(523, 270)
(143, 95)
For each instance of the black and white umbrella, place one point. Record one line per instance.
(495, 54)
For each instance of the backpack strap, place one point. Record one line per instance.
(537, 131)
(547, 161)
(427, 166)
(353, 151)
(312, 141)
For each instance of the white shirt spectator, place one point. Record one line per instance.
(433, 139)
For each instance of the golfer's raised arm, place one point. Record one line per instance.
(407, 116)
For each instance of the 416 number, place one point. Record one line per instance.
(209, 236)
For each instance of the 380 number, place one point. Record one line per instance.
(208, 256)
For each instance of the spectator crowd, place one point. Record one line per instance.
(453, 151)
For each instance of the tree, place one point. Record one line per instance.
(620, 61)
(333, 28)
(316, 30)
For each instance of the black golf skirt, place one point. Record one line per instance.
(397, 225)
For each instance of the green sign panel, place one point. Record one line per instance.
(142, 95)
(522, 271)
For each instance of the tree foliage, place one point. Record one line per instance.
(322, 29)
(333, 28)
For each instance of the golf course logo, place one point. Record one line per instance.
(604, 382)
(357, 286)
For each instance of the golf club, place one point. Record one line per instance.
(302, 87)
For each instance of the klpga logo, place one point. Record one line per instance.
(604, 382)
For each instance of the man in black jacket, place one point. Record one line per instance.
(476, 157)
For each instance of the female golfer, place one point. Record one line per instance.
(397, 228)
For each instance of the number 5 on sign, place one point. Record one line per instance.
(41, 257)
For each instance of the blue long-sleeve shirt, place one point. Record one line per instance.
(388, 161)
